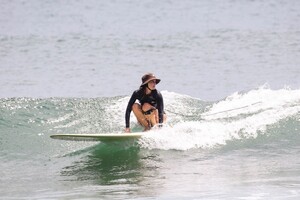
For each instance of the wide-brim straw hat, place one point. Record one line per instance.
(149, 77)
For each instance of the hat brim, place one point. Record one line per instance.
(151, 79)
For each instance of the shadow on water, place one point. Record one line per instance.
(112, 164)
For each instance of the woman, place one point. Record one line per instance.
(149, 110)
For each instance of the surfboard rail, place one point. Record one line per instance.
(103, 137)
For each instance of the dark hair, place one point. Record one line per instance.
(143, 88)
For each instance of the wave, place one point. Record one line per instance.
(259, 116)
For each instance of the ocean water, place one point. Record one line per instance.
(230, 74)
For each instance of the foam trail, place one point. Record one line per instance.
(257, 111)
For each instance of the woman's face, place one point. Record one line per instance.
(152, 84)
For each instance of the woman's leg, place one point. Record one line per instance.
(147, 121)
(153, 117)
(137, 110)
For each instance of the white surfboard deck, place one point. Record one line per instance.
(103, 137)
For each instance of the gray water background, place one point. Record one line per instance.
(206, 49)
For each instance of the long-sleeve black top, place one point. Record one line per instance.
(154, 98)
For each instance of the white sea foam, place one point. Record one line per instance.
(240, 116)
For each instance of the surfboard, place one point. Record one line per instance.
(103, 137)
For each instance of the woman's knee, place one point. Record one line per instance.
(136, 107)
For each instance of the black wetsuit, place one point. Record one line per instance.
(154, 98)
